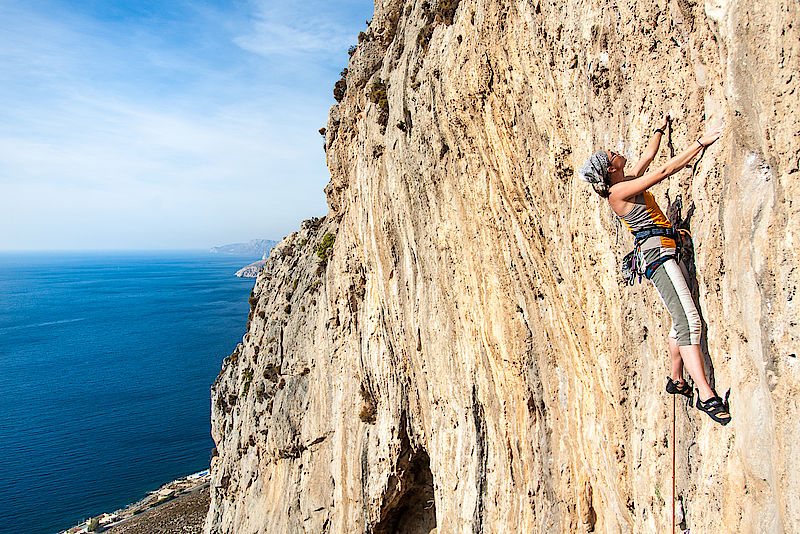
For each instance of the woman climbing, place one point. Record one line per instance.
(656, 245)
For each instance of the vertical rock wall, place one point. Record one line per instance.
(466, 358)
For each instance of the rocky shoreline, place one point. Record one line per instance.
(251, 271)
(178, 506)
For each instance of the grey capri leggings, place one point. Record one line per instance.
(670, 281)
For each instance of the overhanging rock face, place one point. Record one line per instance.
(462, 355)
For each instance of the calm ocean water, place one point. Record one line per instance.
(106, 361)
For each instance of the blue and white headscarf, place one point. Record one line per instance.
(595, 170)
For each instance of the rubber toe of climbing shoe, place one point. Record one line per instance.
(716, 408)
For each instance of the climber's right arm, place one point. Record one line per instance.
(652, 148)
(631, 188)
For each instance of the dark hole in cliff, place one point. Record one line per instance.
(409, 505)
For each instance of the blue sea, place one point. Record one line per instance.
(106, 362)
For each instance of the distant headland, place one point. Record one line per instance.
(254, 248)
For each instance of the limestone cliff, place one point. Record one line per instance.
(462, 355)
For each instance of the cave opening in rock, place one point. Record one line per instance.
(408, 505)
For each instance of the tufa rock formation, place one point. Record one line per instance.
(462, 357)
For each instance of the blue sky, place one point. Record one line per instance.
(165, 125)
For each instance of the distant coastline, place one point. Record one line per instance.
(251, 271)
(255, 248)
(154, 499)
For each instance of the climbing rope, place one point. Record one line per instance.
(669, 138)
(692, 166)
(673, 464)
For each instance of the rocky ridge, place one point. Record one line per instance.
(251, 270)
(253, 248)
(462, 355)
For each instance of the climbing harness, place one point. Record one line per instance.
(634, 265)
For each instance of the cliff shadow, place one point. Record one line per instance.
(408, 505)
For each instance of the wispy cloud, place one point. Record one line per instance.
(205, 117)
(282, 29)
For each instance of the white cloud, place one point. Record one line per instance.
(286, 29)
(119, 139)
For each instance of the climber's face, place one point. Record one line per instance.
(616, 164)
(617, 161)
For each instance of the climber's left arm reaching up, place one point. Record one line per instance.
(651, 150)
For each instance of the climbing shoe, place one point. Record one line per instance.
(716, 408)
(680, 388)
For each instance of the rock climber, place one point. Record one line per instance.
(656, 243)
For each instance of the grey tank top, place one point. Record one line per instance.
(645, 215)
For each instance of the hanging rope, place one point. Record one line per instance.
(673, 464)
(669, 137)
(692, 166)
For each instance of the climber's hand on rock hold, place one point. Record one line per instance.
(663, 122)
(711, 136)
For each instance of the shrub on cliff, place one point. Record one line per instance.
(340, 87)
(424, 36)
(248, 379)
(446, 11)
(378, 95)
(325, 247)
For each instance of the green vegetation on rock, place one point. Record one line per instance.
(324, 249)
